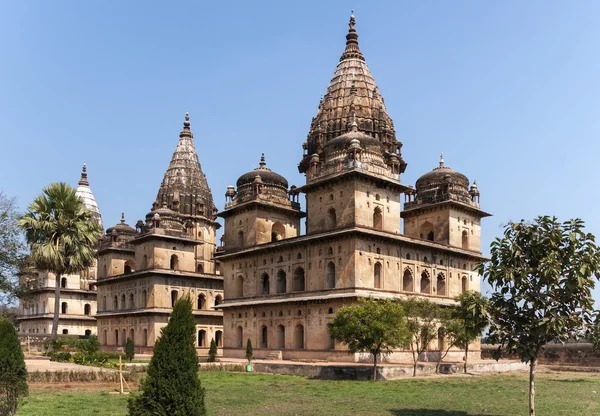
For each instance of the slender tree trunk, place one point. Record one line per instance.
(532, 365)
(415, 360)
(374, 367)
(56, 307)
(439, 361)
(466, 357)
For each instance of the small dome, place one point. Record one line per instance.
(353, 137)
(121, 228)
(442, 183)
(440, 176)
(267, 176)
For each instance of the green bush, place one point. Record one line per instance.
(249, 351)
(129, 350)
(13, 373)
(61, 356)
(90, 345)
(172, 386)
(212, 351)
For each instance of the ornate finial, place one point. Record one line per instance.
(84, 180)
(186, 123)
(262, 163)
(441, 160)
(352, 50)
(122, 218)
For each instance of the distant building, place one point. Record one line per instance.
(77, 291)
(282, 289)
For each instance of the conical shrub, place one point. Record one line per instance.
(171, 386)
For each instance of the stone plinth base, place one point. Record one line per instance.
(341, 371)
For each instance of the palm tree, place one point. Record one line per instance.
(61, 235)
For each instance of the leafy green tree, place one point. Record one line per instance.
(543, 275)
(452, 331)
(249, 350)
(11, 248)
(212, 351)
(472, 316)
(13, 373)
(374, 326)
(171, 386)
(422, 319)
(61, 235)
(129, 350)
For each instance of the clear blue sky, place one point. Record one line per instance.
(509, 91)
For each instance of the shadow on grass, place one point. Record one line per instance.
(433, 412)
(571, 380)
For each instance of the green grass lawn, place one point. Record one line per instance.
(563, 394)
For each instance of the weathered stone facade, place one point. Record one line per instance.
(142, 271)
(282, 289)
(77, 309)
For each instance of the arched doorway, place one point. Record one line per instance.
(281, 281)
(441, 285)
(331, 219)
(377, 276)
(264, 337)
(330, 278)
(174, 263)
(265, 284)
(240, 337)
(299, 281)
(277, 232)
(299, 337)
(280, 336)
(377, 218)
(426, 231)
(407, 281)
(202, 338)
(425, 283)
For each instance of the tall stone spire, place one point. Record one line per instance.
(352, 90)
(85, 193)
(184, 188)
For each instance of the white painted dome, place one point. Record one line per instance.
(85, 193)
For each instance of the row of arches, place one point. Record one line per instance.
(277, 234)
(120, 337)
(425, 287)
(377, 219)
(426, 232)
(64, 308)
(280, 337)
(281, 285)
(203, 341)
(298, 282)
(130, 302)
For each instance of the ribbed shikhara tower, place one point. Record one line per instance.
(143, 271)
(184, 201)
(352, 96)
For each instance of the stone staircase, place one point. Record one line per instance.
(275, 355)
